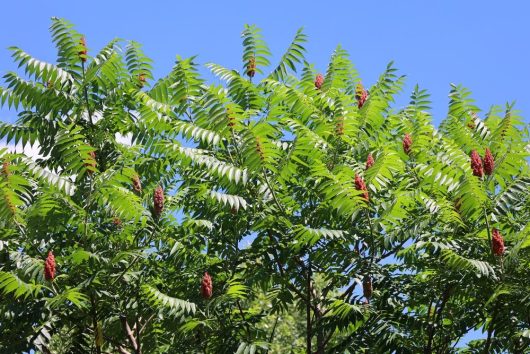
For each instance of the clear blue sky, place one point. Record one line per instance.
(482, 44)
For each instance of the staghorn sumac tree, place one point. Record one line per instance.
(283, 210)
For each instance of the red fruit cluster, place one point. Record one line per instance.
(369, 161)
(83, 52)
(49, 267)
(361, 186)
(476, 164)
(158, 200)
(206, 286)
(367, 287)
(339, 126)
(497, 243)
(489, 163)
(251, 67)
(407, 143)
(361, 95)
(137, 185)
(319, 81)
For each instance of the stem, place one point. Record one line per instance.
(133, 262)
(138, 309)
(247, 328)
(85, 89)
(372, 256)
(273, 193)
(271, 336)
(489, 231)
(95, 321)
(139, 345)
(321, 340)
(282, 270)
(428, 348)
(87, 207)
(308, 312)
(490, 331)
(317, 313)
(440, 305)
(129, 332)
(445, 297)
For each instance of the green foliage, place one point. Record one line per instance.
(263, 190)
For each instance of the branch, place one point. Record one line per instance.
(271, 337)
(489, 231)
(146, 322)
(128, 332)
(490, 329)
(95, 320)
(85, 89)
(122, 350)
(273, 193)
(308, 312)
(439, 307)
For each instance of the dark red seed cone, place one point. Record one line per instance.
(407, 143)
(116, 221)
(83, 52)
(497, 243)
(369, 161)
(361, 186)
(319, 81)
(489, 163)
(206, 286)
(367, 288)
(476, 164)
(158, 201)
(137, 185)
(49, 267)
(251, 67)
(361, 95)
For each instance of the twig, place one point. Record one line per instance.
(243, 319)
(273, 193)
(128, 332)
(95, 320)
(271, 336)
(85, 89)
(308, 313)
